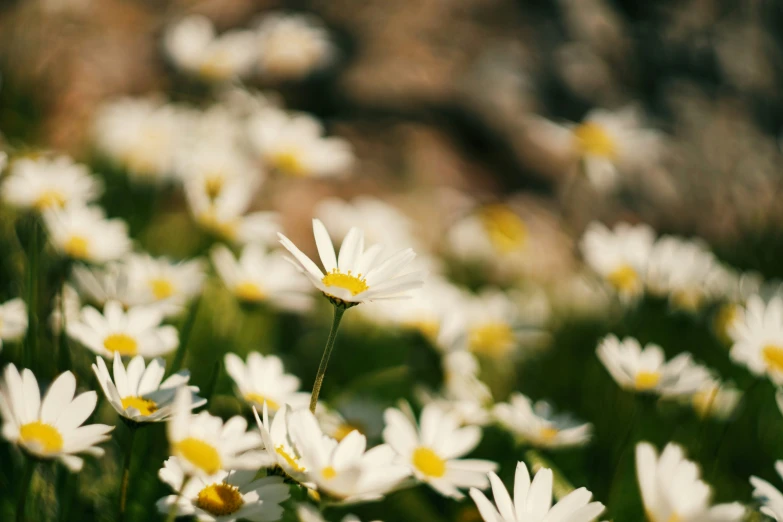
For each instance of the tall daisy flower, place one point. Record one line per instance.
(13, 320)
(263, 380)
(135, 332)
(43, 183)
(291, 46)
(532, 500)
(278, 444)
(50, 428)
(672, 489)
(770, 497)
(162, 283)
(226, 496)
(433, 449)
(538, 425)
(758, 338)
(84, 233)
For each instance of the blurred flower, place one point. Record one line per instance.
(85, 234)
(716, 399)
(533, 500)
(101, 284)
(43, 183)
(135, 332)
(279, 446)
(13, 320)
(263, 380)
(137, 394)
(162, 283)
(432, 449)
(492, 231)
(260, 277)
(291, 46)
(537, 425)
(358, 275)
(646, 371)
(206, 445)
(619, 255)
(758, 338)
(50, 428)
(193, 46)
(735, 290)
(226, 496)
(3, 161)
(672, 490)
(214, 163)
(294, 145)
(307, 513)
(769, 495)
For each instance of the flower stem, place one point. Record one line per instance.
(126, 472)
(63, 350)
(27, 479)
(184, 336)
(319, 378)
(31, 340)
(173, 509)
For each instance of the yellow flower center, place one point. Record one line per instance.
(120, 343)
(343, 430)
(77, 247)
(213, 185)
(428, 462)
(259, 399)
(247, 291)
(646, 380)
(688, 299)
(199, 453)
(547, 434)
(42, 437)
(220, 499)
(50, 199)
(773, 357)
(494, 339)
(353, 283)
(293, 462)
(593, 140)
(216, 67)
(289, 162)
(727, 315)
(161, 288)
(506, 230)
(145, 406)
(624, 278)
(328, 473)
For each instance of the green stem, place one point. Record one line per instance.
(173, 509)
(319, 378)
(27, 479)
(184, 337)
(64, 351)
(126, 472)
(31, 340)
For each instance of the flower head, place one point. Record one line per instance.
(13, 320)
(263, 380)
(162, 283)
(279, 445)
(291, 46)
(758, 338)
(537, 424)
(85, 234)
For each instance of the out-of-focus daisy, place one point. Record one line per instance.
(357, 275)
(538, 425)
(619, 255)
(432, 449)
(279, 446)
(291, 46)
(672, 489)
(214, 163)
(262, 277)
(769, 495)
(43, 183)
(85, 234)
(194, 47)
(13, 320)
(206, 445)
(101, 284)
(50, 428)
(735, 291)
(646, 370)
(491, 231)
(532, 500)
(263, 379)
(758, 338)
(294, 144)
(226, 496)
(307, 513)
(715, 399)
(165, 284)
(135, 332)
(137, 393)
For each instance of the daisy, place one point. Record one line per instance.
(758, 338)
(432, 449)
(84, 233)
(533, 500)
(101, 284)
(291, 46)
(279, 447)
(492, 231)
(13, 320)
(537, 424)
(216, 162)
(672, 489)
(769, 495)
(44, 182)
(135, 332)
(357, 275)
(263, 380)
(715, 399)
(206, 445)
(645, 369)
(137, 393)
(226, 496)
(259, 277)
(293, 144)
(162, 283)
(50, 428)
(619, 256)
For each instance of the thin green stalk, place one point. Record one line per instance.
(31, 340)
(210, 389)
(126, 471)
(27, 479)
(184, 336)
(64, 351)
(173, 509)
(319, 378)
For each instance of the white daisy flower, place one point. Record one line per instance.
(101, 284)
(85, 234)
(769, 495)
(259, 276)
(645, 369)
(227, 496)
(291, 46)
(715, 399)
(758, 338)
(137, 393)
(263, 379)
(279, 446)
(619, 256)
(206, 445)
(13, 320)
(294, 145)
(307, 513)
(432, 449)
(163, 283)
(135, 332)
(672, 489)
(538, 425)
(215, 162)
(357, 275)
(50, 428)
(44, 182)
(194, 47)
(533, 500)
(490, 232)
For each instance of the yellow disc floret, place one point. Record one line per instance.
(220, 499)
(121, 343)
(547, 434)
(161, 288)
(505, 229)
(50, 199)
(144, 406)
(260, 399)
(647, 380)
(42, 437)
(773, 357)
(428, 462)
(624, 278)
(289, 162)
(247, 291)
(199, 453)
(493, 339)
(353, 283)
(291, 461)
(328, 473)
(77, 247)
(593, 139)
